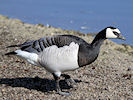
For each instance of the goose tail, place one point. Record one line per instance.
(11, 53)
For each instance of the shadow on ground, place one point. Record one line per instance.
(39, 84)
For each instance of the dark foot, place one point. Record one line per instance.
(58, 89)
(69, 81)
(64, 93)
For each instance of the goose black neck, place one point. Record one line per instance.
(98, 40)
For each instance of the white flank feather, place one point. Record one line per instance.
(30, 57)
(61, 59)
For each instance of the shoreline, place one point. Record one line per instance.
(109, 77)
(65, 30)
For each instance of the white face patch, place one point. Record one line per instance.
(117, 30)
(110, 34)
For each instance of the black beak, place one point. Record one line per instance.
(121, 37)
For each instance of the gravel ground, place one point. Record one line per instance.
(110, 77)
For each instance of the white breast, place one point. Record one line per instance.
(61, 59)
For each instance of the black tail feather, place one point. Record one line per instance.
(13, 46)
(11, 53)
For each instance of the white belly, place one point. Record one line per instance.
(61, 59)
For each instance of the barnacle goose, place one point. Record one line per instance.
(62, 53)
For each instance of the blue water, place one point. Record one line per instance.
(80, 15)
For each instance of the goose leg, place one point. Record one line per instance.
(58, 89)
(69, 80)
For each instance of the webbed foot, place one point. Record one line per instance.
(64, 93)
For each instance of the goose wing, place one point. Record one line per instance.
(37, 46)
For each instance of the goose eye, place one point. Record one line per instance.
(117, 34)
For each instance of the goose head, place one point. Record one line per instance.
(113, 33)
(106, 33)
